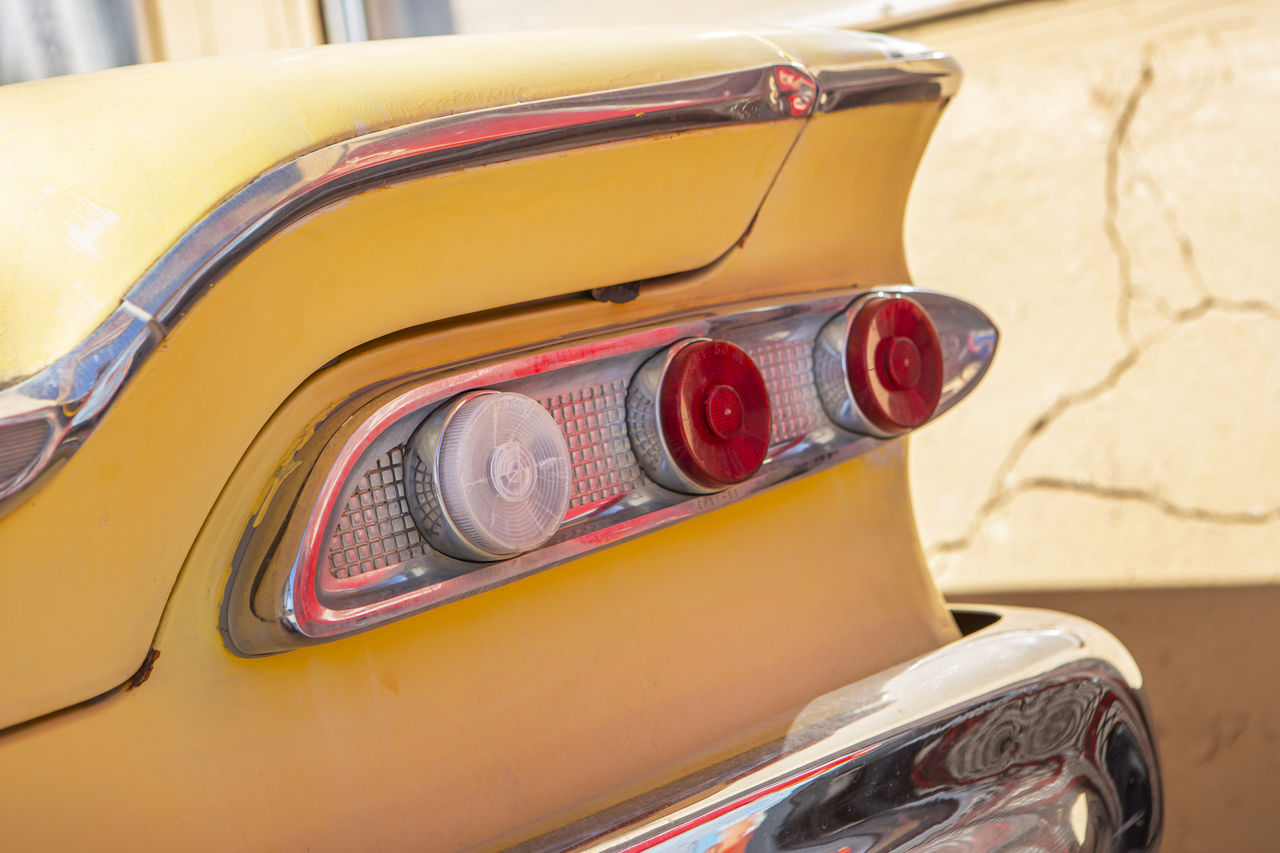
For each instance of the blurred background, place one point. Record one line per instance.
(1105, 186)
(45, 38)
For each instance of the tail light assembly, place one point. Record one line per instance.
(454, 482)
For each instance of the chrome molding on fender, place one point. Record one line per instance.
(1031, 733)
(337, 549)
(911, 72)
(46, 417)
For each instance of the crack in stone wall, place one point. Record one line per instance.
(1005, 488)
(1186, 248)
(1111, 223)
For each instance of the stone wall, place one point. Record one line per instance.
(1107, 186)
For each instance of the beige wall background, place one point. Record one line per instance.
(1105, 185)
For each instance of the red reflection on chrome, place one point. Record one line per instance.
(714, 413)
(797, 90)
(894, 363)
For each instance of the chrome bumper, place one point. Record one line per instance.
(1029, 733)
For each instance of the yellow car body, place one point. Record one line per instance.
(499, 717)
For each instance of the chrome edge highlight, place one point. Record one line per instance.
(74, 392)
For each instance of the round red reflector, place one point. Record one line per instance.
(894, 363)
(714, 413)
(724, 412)
(698, 415)
(899, 362)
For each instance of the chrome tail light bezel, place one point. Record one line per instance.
(283, 595)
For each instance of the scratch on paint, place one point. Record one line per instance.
(93, 222)
(290, 464)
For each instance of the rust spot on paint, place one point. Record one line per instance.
(144, 672)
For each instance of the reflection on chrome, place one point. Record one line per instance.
(65, 400)
(1031, 734)
(1005, 774)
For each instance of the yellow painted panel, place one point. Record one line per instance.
(453, 244)
(556, 693)
(101, 173)
(134, 497)
(835, 214)
(825, 48)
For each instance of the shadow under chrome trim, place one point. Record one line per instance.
(66, 399)
(1032, 733)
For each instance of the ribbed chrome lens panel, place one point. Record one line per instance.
(362, 560)
(375, 528)
(594, 423)
(21, 446)
(787, 368)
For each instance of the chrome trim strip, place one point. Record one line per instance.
(1032, 733)
(448, 143)
(73, 394)
(931, 76)
(282, 595)
(77, 389)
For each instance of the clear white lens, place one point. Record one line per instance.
(501, 476)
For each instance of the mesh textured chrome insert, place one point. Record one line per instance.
(787, 369)
(20, 444)
(593, 421)
(375, 529)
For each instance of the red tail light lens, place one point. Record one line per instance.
(699, 416)
(879, 367)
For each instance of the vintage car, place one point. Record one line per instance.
(501, 442)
